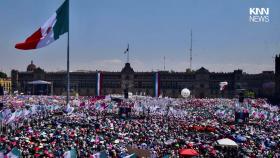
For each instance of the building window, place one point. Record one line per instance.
(139, 84)
(201, 85)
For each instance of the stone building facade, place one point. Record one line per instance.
(6, 84)
(277, 75)
(201, 82)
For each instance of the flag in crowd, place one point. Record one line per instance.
(130, 156)
(71, 154)
(93, 120)
(101, 154)
(14, 153)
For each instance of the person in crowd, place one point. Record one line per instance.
(43, 126)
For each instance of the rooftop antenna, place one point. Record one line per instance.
(274, 57)
(191, 52)
(164, 63)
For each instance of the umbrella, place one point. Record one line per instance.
(117, 141)
(188, 152)
(169, 142)
(240, 138)
(226, 142)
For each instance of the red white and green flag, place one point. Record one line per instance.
(55, 26)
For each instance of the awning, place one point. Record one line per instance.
(39, 82)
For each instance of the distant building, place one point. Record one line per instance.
(277, 75)
(201, 82)
(6, 83)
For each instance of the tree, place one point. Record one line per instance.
(3, 75)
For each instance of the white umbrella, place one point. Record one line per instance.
(226, 142)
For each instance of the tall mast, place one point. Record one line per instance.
(127, 55)
(68, 75)
(164, 63)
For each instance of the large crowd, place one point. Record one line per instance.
(44, 126)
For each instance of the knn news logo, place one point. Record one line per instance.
(259, 15)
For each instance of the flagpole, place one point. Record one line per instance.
(127, 53)
(68, 75)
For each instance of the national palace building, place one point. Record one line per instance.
(201, 82)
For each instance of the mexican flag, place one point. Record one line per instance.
(130, 156)
(70, 154)
(14, 153)
(101, 154)
(55, 26)
(11, 118)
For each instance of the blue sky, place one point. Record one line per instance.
(223, 37)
